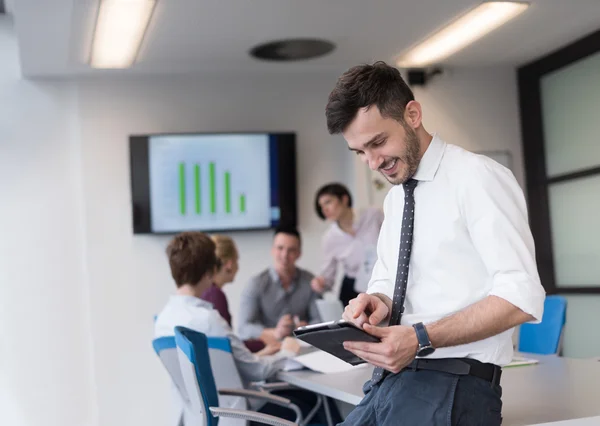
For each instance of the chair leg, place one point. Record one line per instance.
(327, 411)
(313, 411)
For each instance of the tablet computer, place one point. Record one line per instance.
(330, 336)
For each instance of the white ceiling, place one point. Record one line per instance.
(187, 36)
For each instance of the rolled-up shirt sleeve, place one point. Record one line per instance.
(496, 216)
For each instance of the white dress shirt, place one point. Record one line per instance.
(471, 240)
(199, 315)
(351, 252)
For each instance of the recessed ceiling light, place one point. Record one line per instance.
(463, 31)
(119, 32)
(292, 49)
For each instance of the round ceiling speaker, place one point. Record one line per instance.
(292, 49)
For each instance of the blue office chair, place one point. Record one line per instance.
(227, 376)
(197, 373)
(545, 338)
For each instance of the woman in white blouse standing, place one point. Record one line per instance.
(350, 242)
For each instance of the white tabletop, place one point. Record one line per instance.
(556, 389)
(588, 421)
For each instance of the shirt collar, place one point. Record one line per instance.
(275, 277)
(191, 300)
(431, 160)
(357, 216)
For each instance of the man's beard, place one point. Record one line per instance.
(410, 159)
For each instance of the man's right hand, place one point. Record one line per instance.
(290, 344)
(284, 327)
(366, 308)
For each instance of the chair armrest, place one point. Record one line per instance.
(246, 393)
(250, 415)
(269, 387)
(265, 396)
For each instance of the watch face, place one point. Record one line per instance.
(427, 350)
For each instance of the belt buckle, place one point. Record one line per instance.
(460, 367)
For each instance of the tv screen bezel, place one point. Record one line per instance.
(139, 148)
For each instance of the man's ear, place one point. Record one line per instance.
(413, 114)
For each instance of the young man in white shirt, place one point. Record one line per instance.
(456, 267)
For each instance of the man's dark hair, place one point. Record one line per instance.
(191, 256)
(364, 86)
(289, 230)
(337, 190)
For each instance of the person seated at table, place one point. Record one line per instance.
(193, 262)
(228, 256)
(279, 298)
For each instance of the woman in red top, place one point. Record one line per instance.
(228, 255)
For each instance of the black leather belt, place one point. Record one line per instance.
(459, 366)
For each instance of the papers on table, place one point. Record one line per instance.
(321, 362)
(303, 344)
(519, 361)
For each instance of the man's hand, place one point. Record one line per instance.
(298, 322)
(284, 326)
(283, 329)
(397, 349)
(318, 284)
(366, 308)
(269, 336)
(290, 344)
(269, 349)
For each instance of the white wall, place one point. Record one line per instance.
(45, 352)
(476, 109)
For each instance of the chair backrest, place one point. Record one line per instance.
(166, 349)
(192, 349)
(226, 375)
(545, 338)
(330, 310)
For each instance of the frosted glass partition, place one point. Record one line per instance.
(571, 116)
(575, 223)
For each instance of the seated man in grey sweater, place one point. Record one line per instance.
(279, 298)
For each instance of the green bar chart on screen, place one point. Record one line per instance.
(224, 196)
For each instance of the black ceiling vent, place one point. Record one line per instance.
(292, 49)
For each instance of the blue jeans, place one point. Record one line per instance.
(429, 398)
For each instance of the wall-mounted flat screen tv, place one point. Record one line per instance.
(212, 181)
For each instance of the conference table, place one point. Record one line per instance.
(555, 389)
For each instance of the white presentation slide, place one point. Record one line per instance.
(209, 182)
